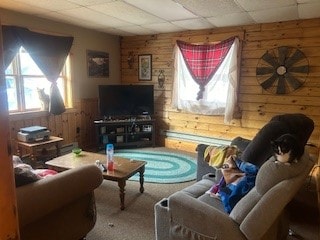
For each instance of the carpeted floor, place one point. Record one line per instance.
(136, 222)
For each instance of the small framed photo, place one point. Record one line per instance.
(98, 63)
(145, 67)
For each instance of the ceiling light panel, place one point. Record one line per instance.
(210, 8)
(126, 12)
(249, 5)
(165, 9)
(275, 14)
(55, 5)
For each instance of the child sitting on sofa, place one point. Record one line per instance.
(238, 178)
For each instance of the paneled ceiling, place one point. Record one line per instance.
(143, 17)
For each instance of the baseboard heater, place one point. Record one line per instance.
(194, 138)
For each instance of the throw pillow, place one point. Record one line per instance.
(23, 175)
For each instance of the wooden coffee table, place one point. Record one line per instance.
(123, 168)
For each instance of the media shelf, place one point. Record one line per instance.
(125, 133)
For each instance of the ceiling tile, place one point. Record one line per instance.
(234, 19)
(95, 17)
(126, 12)
(115, 31)
(137, 30)
(21, 7)
(55, 5)
(124, 17)
(164, 27)
(249, 5)
(275, 14)
(89, 2)
(309, 10)
(72, 20)
(165, 9)
(307, 1)
(192, 24)
(210, 8)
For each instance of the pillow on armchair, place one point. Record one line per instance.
(25, 174)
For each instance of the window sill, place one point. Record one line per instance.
(34, 114)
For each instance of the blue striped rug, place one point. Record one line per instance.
(162, 167)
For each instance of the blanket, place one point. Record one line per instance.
(215, 156)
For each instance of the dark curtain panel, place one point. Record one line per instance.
(11, 44)
(49, 53)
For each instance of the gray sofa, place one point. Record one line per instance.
(193, 214)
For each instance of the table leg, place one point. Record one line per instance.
(58, 149)
(141, 172)
(122, 184)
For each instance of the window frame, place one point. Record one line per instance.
(19, 78)
(231, 94)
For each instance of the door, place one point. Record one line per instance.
(9, 228)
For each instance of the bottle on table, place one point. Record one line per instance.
(109, 152)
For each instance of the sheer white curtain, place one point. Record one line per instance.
(220, 95)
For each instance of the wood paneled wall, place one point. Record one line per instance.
(255, 106)
(75, 125)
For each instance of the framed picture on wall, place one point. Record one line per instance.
(98, 63)
(145, 67)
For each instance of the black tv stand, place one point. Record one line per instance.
(126, 132)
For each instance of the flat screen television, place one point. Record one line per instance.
(126, 100)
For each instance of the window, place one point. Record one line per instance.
(218, 94)
(23, 78)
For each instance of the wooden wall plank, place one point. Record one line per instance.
(67, 125)
(256, 106)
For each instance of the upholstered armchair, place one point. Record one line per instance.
(192, 213)
(60, 206)
(257, 216)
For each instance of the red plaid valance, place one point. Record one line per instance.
(204, 60)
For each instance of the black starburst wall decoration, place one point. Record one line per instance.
(282, 70)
